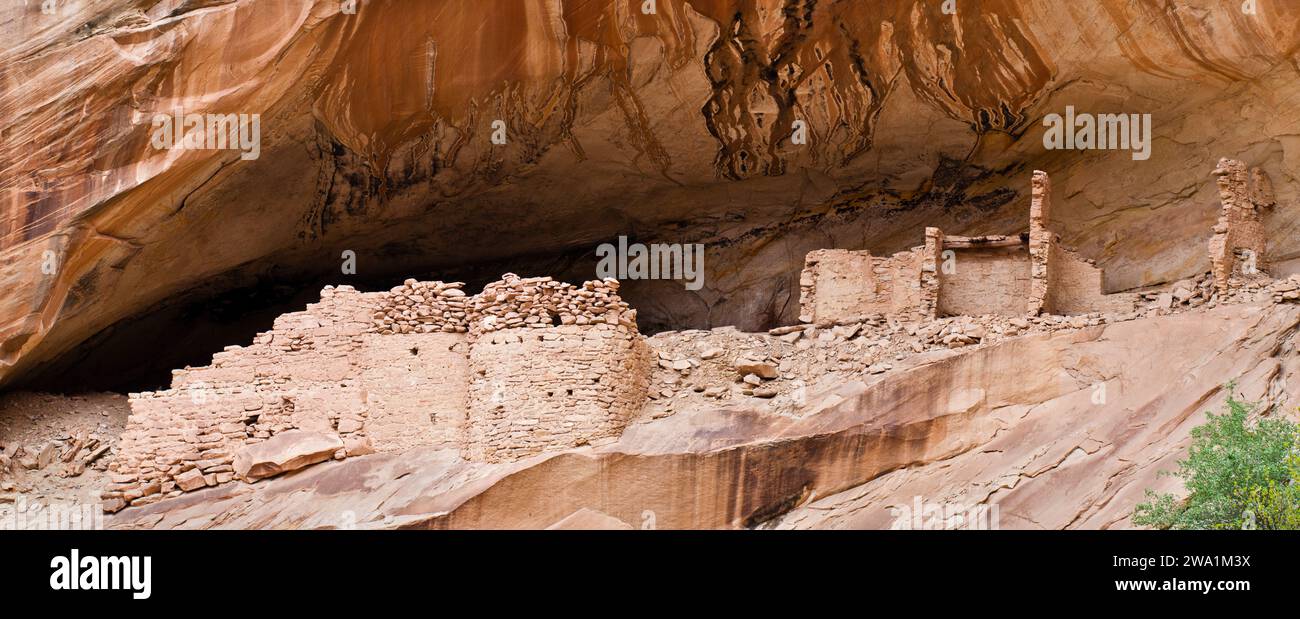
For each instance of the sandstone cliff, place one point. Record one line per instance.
(1018, 424)
(675, 126)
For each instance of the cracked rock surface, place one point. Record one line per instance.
(1062, 429)
(672, 127)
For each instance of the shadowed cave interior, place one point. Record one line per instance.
(139, 353)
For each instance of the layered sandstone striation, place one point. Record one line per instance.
(377, 127)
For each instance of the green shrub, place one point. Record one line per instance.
(1236, 476)
(1277, 505)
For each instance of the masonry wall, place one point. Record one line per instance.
(522, 402)
(840, 284)
(1023, 274)
(417, 389)
(836, 283)
(536, 302)
(903, 270)
(392, 370)
(1078, 287)
(931, 255)
(1239, 242)
(298, 375)
(1042, 245)
(986, 281)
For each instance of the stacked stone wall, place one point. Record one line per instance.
(1042, 245)
(1023, 274)
(1238, 246)
(421, 307)
(986, 281)
(523, 402)
(297, 376)
(838, 284)
(393, 370)
(1078, 287)
(538, 302)
(416, 389)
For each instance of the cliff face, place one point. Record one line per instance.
(377, 134)
(1054, 431)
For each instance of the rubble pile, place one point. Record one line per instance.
(55, 450)
(698, 367)
(64, 456)
(544, 302)
(1286, 291)
(422, 307)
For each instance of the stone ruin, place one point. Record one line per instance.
(422, 364)
(959, 276)
(532, 364)
(1032, 273)
(1237, 248)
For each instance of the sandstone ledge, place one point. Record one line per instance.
(1034, 442)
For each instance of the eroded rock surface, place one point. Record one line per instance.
(284, 452)
(376, 137)
(1059, 430)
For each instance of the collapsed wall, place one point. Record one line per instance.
(1061, 281)
(1238, 246)
(298, 375)
(388, 371)
(1008, 275)
(1078, 287)
(1030, 274)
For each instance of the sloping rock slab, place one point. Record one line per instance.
(1020, 425)
(284, 452)
(587, 519)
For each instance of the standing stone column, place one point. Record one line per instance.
(1240, 227)
(1040, 244)
(930, 273)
